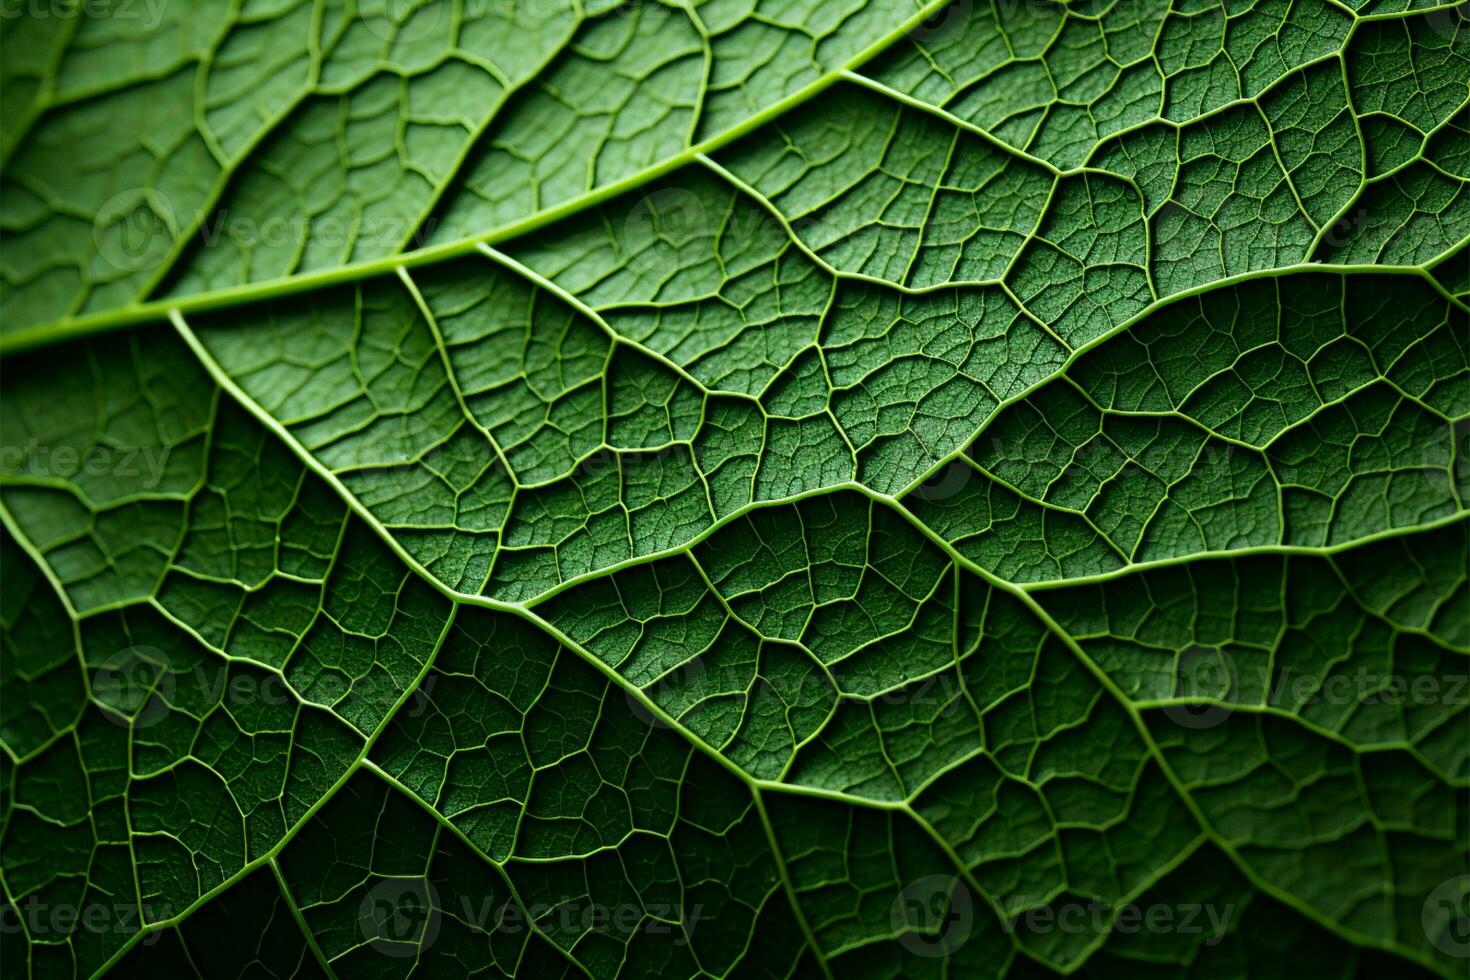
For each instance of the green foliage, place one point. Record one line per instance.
(823, 488)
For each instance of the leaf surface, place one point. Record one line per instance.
(735, 489)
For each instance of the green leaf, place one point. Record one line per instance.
(735, 489)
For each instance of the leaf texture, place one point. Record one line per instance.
(735, 489)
